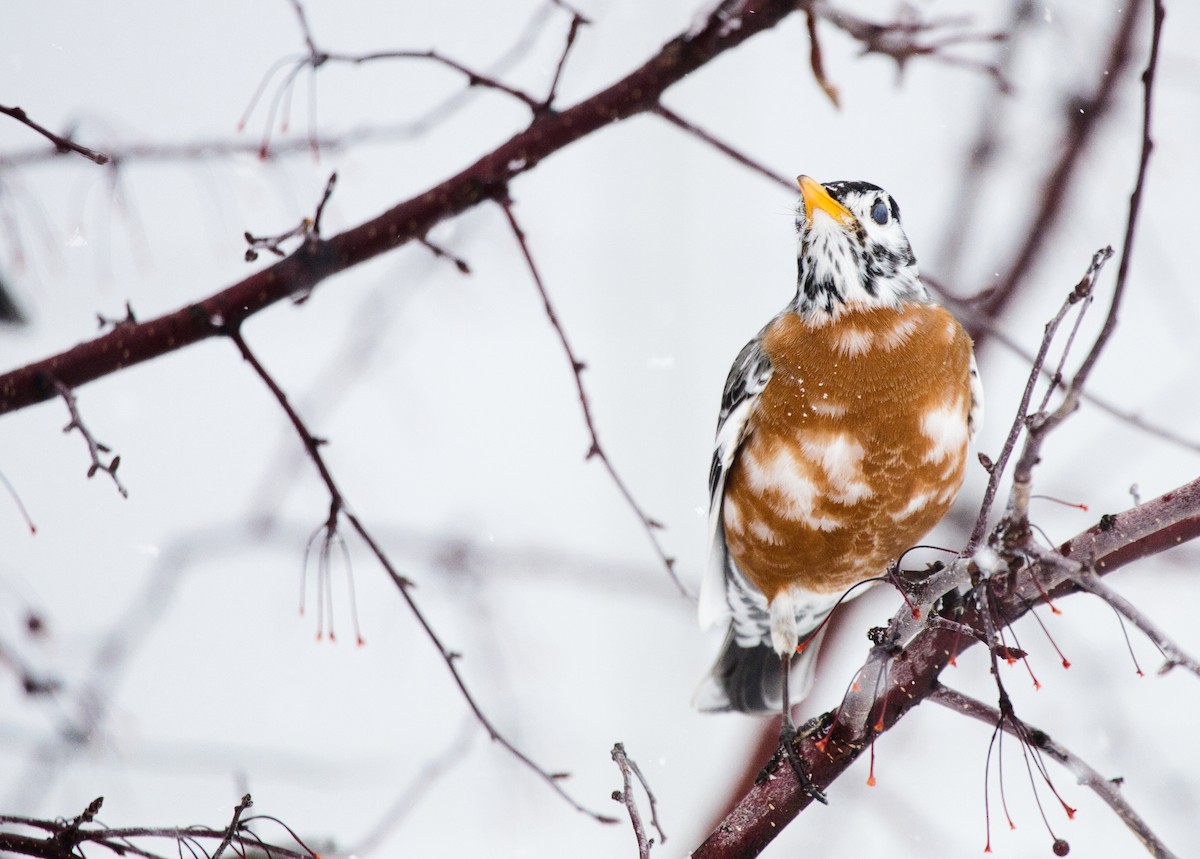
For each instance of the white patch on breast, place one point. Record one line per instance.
(915, 505)
(900, 333)
(827, 408)
(851, 341)
(840, 457)
(733, 515)
(946, 428)
(764, 533)
(787, 475)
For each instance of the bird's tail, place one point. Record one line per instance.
(749, 679)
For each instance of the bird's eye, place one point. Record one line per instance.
(879, 212)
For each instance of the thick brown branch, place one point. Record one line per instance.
(1152, 527)
(486, 179)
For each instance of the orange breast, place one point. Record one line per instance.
(856, 448)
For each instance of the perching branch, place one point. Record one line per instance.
(913, 670)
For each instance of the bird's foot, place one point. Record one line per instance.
(788, 737)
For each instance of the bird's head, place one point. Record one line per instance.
(852, 250)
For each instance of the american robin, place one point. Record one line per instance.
(841, 441)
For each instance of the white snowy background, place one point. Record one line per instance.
(172, 617)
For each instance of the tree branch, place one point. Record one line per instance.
(61, 144)
(486, 179)
(649, 524)
(338, 508)
(1107, 789)
(913, 670)
(1082, 122)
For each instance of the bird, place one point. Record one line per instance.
(841, 440)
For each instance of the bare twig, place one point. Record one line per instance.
(815, 60)
(629, 768)
(442, 253)
(1042, 424)
(65, 840)
(314, 58)
(1175, 655)
(403, 585)
(724, 148)
(95, 448)
(234, 826)
(577, 21)
(61, 144)
(902, 39)
(146, 151)
(17, 500)
(309, 229)
(966, 311)
(1082, 122)
(650, 525)
(1038, 424)
(1107, 789)
(998, 465)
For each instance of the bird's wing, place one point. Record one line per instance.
(975, 415)
(747, 378)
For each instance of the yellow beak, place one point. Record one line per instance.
(816, 197)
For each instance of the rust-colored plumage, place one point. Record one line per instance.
(868, 419)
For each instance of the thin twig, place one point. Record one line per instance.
(309, 229)
(314, 58)
(816, 61)
(577, 21)
(1043, 424)
(1038, 425)
(232, 829)
(901, 39)
(723, 147)
(596, 450)
(637, 771)
(12, 491)
(61, 144)
(1106, 789)
(95, 448)
(442, 253)
(1082, 123)
(965, 310)
(403, 585)
(999, 464)
(1175, 655)
(625, 797)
